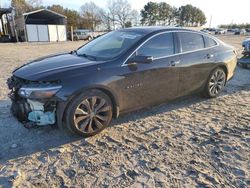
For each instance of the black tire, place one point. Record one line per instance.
(75, 39)
(215, 83)
(89, 113)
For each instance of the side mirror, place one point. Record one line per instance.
(141, 59)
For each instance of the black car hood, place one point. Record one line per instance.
(46, 66)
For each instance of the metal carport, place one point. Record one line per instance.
(44, 25)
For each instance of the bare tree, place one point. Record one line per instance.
(35, 3)
(112, 7)
(20, 7)
(123, 12)
(120, 12)
(106, 19)
(92, 14)
(135, 18)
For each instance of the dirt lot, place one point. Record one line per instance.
(187, 143)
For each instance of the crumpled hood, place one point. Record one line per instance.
(49, 65)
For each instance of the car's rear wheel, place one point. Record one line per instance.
(89, 113)
(75, 38)
(215, 83)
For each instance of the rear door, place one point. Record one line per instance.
(195, 63)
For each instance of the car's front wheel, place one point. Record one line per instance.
(89, 113)
(215, 83)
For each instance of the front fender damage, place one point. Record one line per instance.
(32, 112)
(38, 114)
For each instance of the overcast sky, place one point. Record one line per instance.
(221, 11)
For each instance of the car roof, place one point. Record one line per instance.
(153, 29)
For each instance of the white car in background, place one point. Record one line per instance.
(220, 31)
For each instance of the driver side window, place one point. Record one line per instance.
(158, 46)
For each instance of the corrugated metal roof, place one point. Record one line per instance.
(45, 13)
(5, 11)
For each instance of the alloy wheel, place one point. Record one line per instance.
(92, 114)
(217, 82)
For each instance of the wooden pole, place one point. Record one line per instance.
(2, 29)
(8, 25)
(71, 32)
(14, 26)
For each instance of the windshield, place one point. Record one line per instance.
(110, 45)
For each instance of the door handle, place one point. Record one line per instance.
(173, 63)
(209, 56)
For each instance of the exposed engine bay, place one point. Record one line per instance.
(31, 103)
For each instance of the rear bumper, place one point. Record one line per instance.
(231, 66)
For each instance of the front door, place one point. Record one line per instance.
(149, 84)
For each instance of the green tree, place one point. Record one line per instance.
(166, 12)
(150, 14)
(235, 26)
(185, 15)
(73, 18)
(57, 8)
(158, 14)
(198, 17)
(128, 24)
(189, 15)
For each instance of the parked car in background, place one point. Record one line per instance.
(206, 31)
(81, 34)
(246, 46)
(220, 31)
(211, 29)
(231, 30)
(119, 72)
(240, 32)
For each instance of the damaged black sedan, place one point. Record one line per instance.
(119, 72)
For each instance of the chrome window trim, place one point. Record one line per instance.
(202, 34)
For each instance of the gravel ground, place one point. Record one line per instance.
(191, 142)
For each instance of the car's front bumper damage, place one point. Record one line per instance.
(31, 111)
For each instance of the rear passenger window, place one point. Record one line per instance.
(209, 42)
(159, 46)
(191, 41)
